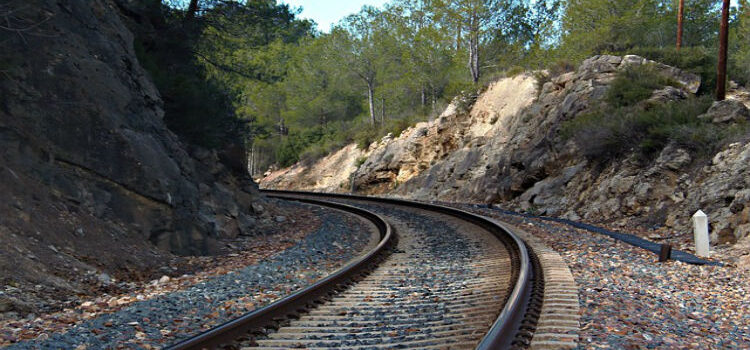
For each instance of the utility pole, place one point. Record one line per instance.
(721, 70)
(680, 9)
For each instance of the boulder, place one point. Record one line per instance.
(727, 111)
(673, 158)
(598, 65)
(667, 94)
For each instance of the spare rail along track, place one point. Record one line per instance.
(361, 306)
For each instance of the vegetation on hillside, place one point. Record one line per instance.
(251, 71)
(625, 124)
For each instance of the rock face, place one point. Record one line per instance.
(727, 111)
(507, 149)
(329, 174)
(86, 162)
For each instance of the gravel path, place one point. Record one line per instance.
(629, 301)
(170, 317)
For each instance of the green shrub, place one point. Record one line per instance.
(634, 84)
(465, 100)
(312, 154)
(697, 60)
(560, 67)
(542, 78)
(359, 161)
(459, 87)
(514, 70)
(308, 144)
(397, 126)
(365, 137)
(609, 132)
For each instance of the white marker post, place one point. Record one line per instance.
(700, 231)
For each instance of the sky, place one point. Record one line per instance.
(327, 12)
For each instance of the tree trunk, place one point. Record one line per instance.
(679, 23)
(474, 57)
(458, 38)
(191, 10)
(721, 70)
(371, 101)
(434, 101)
(474, 48)
(382, 110)
(252, 160)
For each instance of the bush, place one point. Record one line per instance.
(359, 161)
(458, 87)
(697, 60)
(465, 100)
(613, 131)
(366, 134)
(635, 84)
(313, 153)
(542, 78)
(514, 71)
(397, 126)
(561, 67)
(365, 137)
(310, 144)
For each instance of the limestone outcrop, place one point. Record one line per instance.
(508, 149)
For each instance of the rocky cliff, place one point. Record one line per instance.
(91, 179)
(507, 148)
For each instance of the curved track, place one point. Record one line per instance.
(451, 280)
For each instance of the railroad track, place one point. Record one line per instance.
(439, 278)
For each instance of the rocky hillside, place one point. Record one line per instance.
(508, 148)
(92, 183)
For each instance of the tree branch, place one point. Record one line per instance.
(222, 66)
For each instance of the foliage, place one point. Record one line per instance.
(699, 60)
(196, 108)
(739, 57)
(359, 161)
(365, 137)
(634, 84)
(514, 71)
(251, 70)
(609, 132)
(194, 62)
(601, 26)
(312, 143)
(465, 100)
(542, 77)
(560, 66)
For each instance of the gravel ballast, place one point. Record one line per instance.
(174, 316)
(442, 286)
(630, 301)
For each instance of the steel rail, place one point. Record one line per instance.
(300, 300)
(503, 332)
(501, 335)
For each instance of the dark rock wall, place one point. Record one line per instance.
(83, 145)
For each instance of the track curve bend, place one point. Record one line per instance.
(452, 279)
